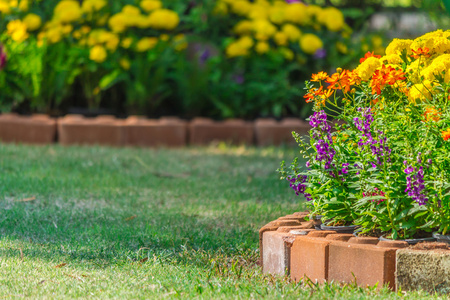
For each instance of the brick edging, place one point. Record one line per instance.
(321, 256)
(143, 132)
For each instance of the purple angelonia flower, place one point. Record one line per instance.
(2, 57)
(320, 54)
(238, 78)
(298, 185)
(415, 186)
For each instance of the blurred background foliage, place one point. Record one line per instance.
(212, 58)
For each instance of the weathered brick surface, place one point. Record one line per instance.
(423, 269)
(309, 256)
(35, 129)
(203, 131)
(271, 132)
(360, 260)
(103, 130)
(168, 132)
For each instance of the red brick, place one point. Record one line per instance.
(103, 130)
(362, 260)
(270, 132)
(309, 256)
(35, 129)
(204, 131)
(168, 132)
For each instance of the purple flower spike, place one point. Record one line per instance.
(2, 57)
(320, 54)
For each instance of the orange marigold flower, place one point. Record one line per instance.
(319, 76)
(367, 55)
(340, 81)
(432, 114)
(420, 52)
(319, 95)
(446, 134)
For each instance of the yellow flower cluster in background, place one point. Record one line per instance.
(280, 25)
(425, 61)
(91, 24)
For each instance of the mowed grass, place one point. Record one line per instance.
(94, 222)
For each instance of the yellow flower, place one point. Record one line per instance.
(149, 5)
(241, 7)
(243, 27)
(66, 29)
(258, 12)
(397, 46)
(420, 91)
(263, 29)
(437, 42)
(439, 68)
(118, 23)
(281, 38)
(221, 8)
(24, 5)
(54, 35)
(32, 22)
(287, 53)
(164, 37)
(164, 19)
(98, 54)
(332, 18)
(367, 67)
(90, 6)
(112, 42)
(180, 42)
(131, 10)
(313, 11)
(5, 8)
(240, 47)
(277, 14)
(341, 47)
(310, 43)
(125, 63)
(17, 30)
(394, 59)
(296, 13)
(146, 43)
(262, 47)
(292, 32)
(126, 42)
(67, 11)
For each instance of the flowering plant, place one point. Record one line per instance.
(385, 164)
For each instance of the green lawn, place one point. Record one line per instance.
(98, 223)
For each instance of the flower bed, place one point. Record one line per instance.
(385, 167)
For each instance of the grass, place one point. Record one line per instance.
(92, 222)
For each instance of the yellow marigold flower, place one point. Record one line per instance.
(366, 69)
(67, 29)
(98, 54)
(420, 91)
(313, 11)
(240, 47)
(126, 42)
(241, 7)
(221, 8)
(67, 11)
(281, 38)
(243, 27)
(246, 42)
(180, 42)
(310, 43)
(262, 47)
(258, 12)
(90, 6)
(112, 42)
(394, 59)
(24, 5)
(277, 14)
(439, 68)
(118, 23)
(263, 29)
(332, 18)
(146, 43)
(131, 10)
(292, 32)
(17, 30)
(377, 41)
(5, 8)
(125, 63)
(54, 35)
(296, 13)
(287, 53)
(164, 19)
(32, 21)
(437, 42)
(150, 5)
(397, 46)
(164, 37)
